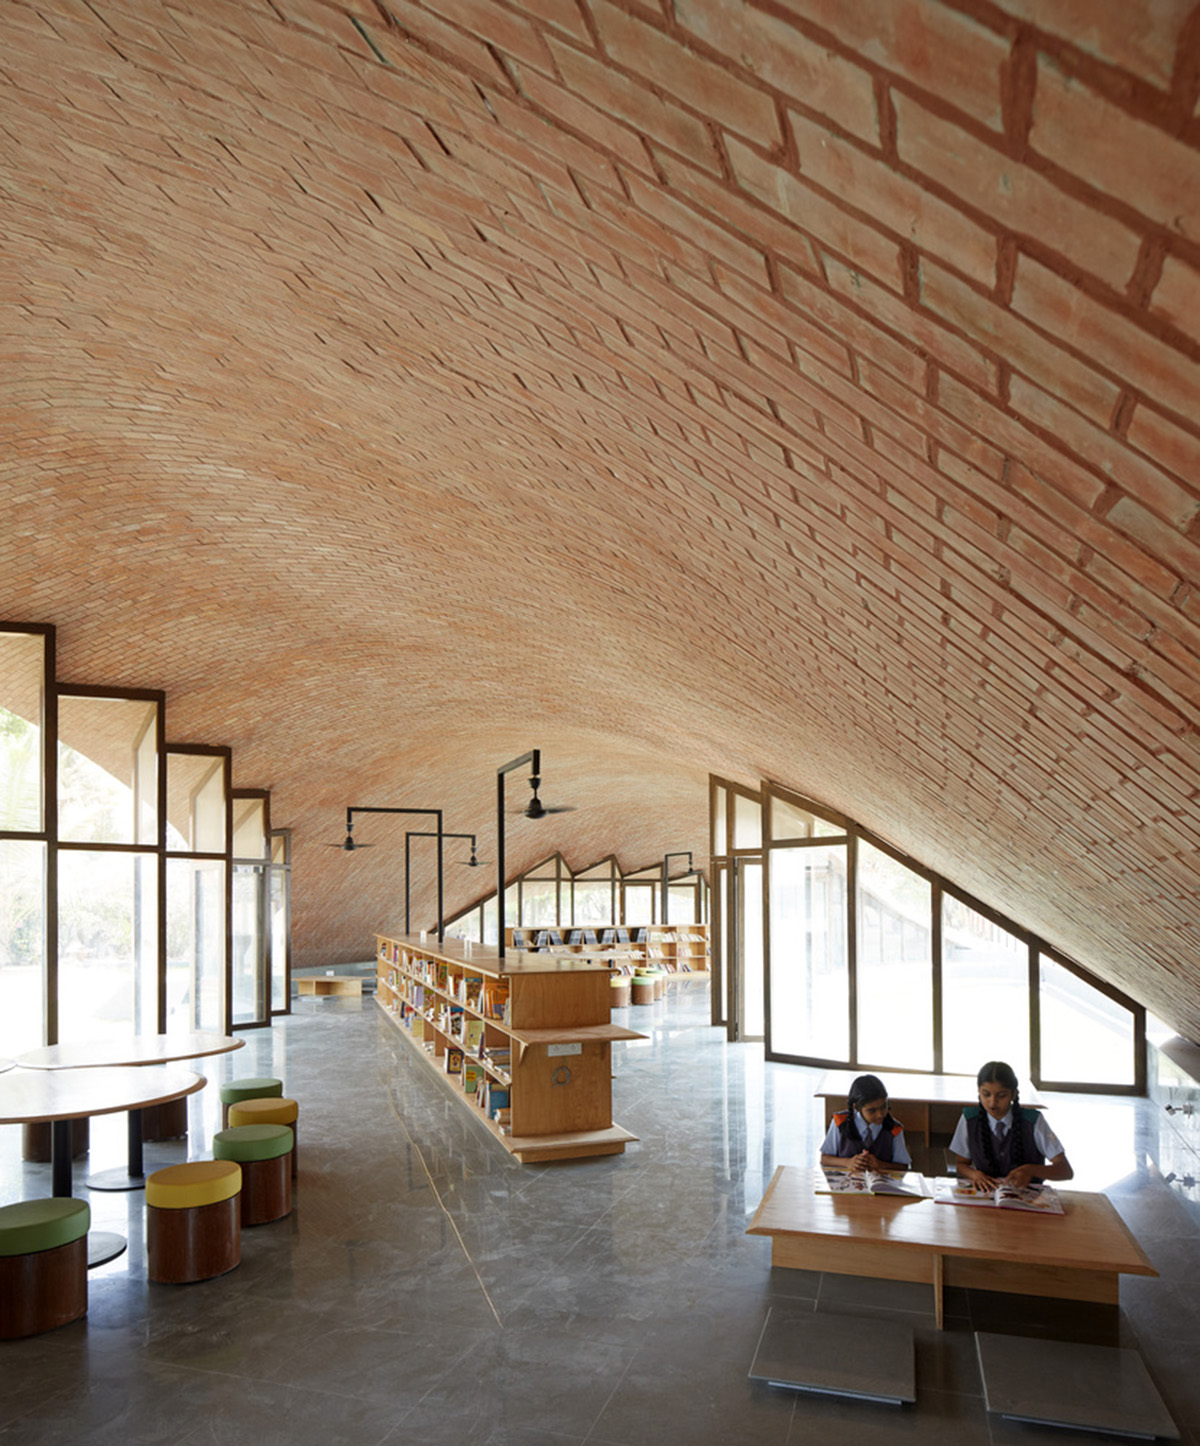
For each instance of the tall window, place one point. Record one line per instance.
(895, 962)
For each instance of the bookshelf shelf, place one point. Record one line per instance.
(675, 948)
(486, 1026)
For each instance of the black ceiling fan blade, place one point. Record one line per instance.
(350, 848)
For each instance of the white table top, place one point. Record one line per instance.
(33, 1096)
(132, 1049)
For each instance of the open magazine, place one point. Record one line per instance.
(1037, 1199)
(872, 1182)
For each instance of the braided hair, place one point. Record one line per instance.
(997, 1072)
(866, 1087)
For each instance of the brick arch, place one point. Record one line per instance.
(794, 391)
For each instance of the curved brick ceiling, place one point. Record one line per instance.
(803, 391)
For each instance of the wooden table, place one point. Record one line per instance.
(59, 1096)
(134, 1051)
(917, 1100)
(1077, 1256)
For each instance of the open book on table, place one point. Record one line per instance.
(872, 1182)
(1037, 1199)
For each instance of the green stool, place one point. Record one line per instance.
(270, 1111)
(43, 1265)
(264, 1153)
(643, 989)
(234, 1091)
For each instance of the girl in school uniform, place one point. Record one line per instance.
(998, 1141)
(865, 1136)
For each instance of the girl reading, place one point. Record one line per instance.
(998, 1142)
(865, 1136)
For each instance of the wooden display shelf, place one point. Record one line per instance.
(323, 984)
(530, 1031)
(675, 948)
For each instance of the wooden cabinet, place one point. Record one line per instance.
(524, 1042)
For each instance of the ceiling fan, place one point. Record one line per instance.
(536, 808)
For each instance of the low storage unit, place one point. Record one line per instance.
(525, 1041)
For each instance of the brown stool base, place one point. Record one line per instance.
(42, 1291)
(193, 1244)
(266, 1189)
(165, 1122)
(35, 1141)
(643, 993)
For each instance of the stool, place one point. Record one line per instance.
(643, 989)
(659, 979)
(262, 1151)
(621, 990)
(193, 1221)
(43, 1265)
(233, 1091)
(269, 1112)
(168, 1121)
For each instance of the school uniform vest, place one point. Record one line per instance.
(881, 1149)
(1005, 1151)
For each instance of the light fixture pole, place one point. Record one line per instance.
(535, 810)
(349, 845)
(682, 854)
(416, 833)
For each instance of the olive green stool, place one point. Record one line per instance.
(233, 1091)
(43, 1265)
(263, 1152)
(270, 1112)
(193, 1221)
(643, 989)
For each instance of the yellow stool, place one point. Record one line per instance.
(269, 1112)
(193, 1221)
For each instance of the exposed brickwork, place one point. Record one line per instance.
(801, 390)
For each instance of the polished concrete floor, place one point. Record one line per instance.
(428, 1289)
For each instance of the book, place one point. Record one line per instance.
(472, 1075)
(1036, 1199)
(453, 1061)
(873, 1182)
(473, 1035)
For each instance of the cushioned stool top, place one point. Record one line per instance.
(199, 1182)
(253, 1142)
(264, 1112)
(249, 1089)
(34, 1225)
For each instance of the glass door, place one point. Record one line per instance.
(744, 952)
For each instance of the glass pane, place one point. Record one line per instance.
(512, 905)
(249, 945)
(22, 693)
(107, 770)
(490, 932)
(593, 903)
(279, 938)
(639, 903)
(1087, 1038)
(750, 922)
(468, 926)
(719, 821)
(747, 823)
(196, 944)
(280, 852)
(539, 902)
(603, 870)
(547, 869)
(107, 944)
(985, 992)
(788, 821)
(195, 803)
(810, 977)
(821, 829)
(682, 905)
(249, 828)
(22, 945)
(895, 963)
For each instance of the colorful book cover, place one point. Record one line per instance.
(1036, 1199)
(453, 1060)
(473, 1035)
(472, 1076)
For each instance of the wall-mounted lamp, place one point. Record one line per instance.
(350, 845)
(683, 854)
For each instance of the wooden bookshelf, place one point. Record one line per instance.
(675, 948)
(530, 1034)
(678, 948)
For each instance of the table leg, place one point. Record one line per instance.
(60, 1157)
(133, 1177)
(938, 1315)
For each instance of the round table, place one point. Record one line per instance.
(130, 1051)
(37, 1096)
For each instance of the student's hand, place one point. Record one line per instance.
(977, 1177)
(860, 1162)
(1020, 1177)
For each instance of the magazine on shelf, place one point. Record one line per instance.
(873, 1182)
(1036, 1199)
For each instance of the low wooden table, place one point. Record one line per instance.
(918, 1101)
(349, 985)
(1077, 1256)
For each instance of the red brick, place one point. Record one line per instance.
(824, 219)
(1159, 538)
(1105, 336)
(711, 89)
(1177, 295)
(1118, 153)
(1023, 201)
(786, 59)
(892, 201)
